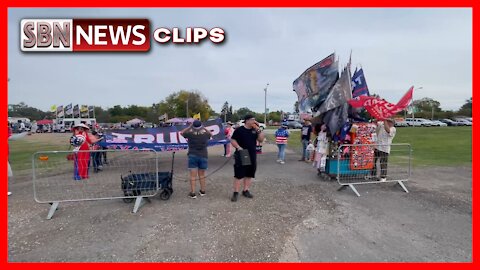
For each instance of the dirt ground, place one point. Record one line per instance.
(294, 216)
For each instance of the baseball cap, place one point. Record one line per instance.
(197, 124)
(248, 116)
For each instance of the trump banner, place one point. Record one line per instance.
(159, 139)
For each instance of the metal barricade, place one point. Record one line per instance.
(72, 176)
(357, 164)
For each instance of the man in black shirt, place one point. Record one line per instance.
(198, 137)
(306, 139)
(245, 137)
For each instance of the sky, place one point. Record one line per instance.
(430, 49)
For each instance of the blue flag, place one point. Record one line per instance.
(359, 84)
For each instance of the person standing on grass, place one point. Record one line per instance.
(197, 137)
(306, 139)
(245, 138)
(385, 134)
(281, 139)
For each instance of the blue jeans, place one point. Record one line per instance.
(281, 151)
(304, 148)
(196, 162)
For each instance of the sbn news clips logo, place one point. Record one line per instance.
(106, 35)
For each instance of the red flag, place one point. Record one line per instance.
(380, 108)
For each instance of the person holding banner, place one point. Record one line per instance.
(197, 137)
(244, 140)
(385, 134)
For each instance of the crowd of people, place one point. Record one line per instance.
(243, 140)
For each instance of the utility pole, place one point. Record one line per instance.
(431, 104)
(413, 109)
(265, 117)
(187, 108)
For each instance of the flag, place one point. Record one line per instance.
(336, 118)
(60, 112)
(76, 111)
(313, 85)
(197, 116)
(380, 108)
(359, 84)
(84, 111)
(341, 93)
(53, 108)
(69, 109)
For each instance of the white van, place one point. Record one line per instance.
(65, 124)
(418, 122)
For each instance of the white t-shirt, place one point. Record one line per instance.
(384, 139)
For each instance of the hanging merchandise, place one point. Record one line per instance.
(362, 156)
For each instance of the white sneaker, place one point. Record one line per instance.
(9, 193)
(282, 162)
(383, 179)
(279, 160)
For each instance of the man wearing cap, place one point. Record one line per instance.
(306, 139)
(197, 136)
(245, 137)
(385, 134)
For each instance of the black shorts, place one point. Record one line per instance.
(244, 171)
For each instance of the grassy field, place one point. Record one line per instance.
(437, 146)
(21, 151)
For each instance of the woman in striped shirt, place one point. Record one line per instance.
(281, 138)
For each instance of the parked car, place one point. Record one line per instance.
(418, 122)
(401, 124)
(294, 124)
(438, 123)
(449, 122)
(463, 122)
(148, 125)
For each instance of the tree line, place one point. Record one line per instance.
(185, 103)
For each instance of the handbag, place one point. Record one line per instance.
(244, 157)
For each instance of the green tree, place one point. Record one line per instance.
(225, 110)
(102, 116)
(275, 116)
(295, 107)
(426, 107)
(23, 110)
(244, 111)
(175, 105)
(466, 109)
